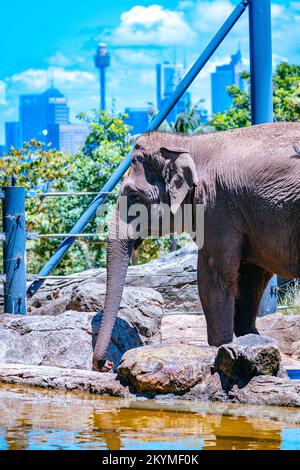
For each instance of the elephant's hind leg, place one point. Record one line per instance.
(251, 285)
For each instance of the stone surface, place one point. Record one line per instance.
(66, 340)
(284, 329)
(266, 390)
(210, 390)
(68, 379)
(296, 352)
(173, 275)
(261, 390)
(167, 368)
(185, 329)
(246, 357)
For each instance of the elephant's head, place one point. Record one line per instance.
(161, 174)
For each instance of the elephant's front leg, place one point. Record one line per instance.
(217, 285)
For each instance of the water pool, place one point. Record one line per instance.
(50, 420)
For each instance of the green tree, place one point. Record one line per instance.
(40, 168)
(286, 99)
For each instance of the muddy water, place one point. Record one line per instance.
(41, 419)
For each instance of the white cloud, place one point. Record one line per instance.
(153, 25)
(58, 60)
(277, 11)
(132, 57)
(39, 79)
(295, 6)
(211, 15)
(185, 4)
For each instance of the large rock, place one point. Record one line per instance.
(261, 390)
(284, 329)
(67, 379)
(246, 357)
(266, 390)
(166, 369)
(66, 340)
(173, 275)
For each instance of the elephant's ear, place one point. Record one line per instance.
(180, 174)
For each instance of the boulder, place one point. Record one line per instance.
(49, 302)
(210, 390)
(296, 351)
(266, 390)
(284, 329)
(261, 390)
(173, 275)
(246, 357)
(67, 340)
(67, 379)
(141, 307)
(167, 368)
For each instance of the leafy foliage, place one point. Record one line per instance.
(40, 168)
(286, 99)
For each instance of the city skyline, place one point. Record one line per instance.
(138, 35)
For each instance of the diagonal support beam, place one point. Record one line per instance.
(154, 125)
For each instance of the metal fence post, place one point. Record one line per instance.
(14, 250)
(262, 96)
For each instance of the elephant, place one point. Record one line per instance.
(248, 181)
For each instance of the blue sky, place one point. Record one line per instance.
(57, 38)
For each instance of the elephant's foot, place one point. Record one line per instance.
(218, 341)
(102, 365)
(242, 330)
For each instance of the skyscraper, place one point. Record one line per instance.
(12, 135)
(167, 78)
(45, 117)
(226, 75)
(137, 118)
(37, 112)
(68, 138)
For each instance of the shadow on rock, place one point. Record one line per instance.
(124, 337)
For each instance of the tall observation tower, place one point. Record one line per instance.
(102, 60)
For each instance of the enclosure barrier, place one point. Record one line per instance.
(14, 234)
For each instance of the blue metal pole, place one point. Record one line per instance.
(154, 125)
(14, 250)
(261, 61)
(262, 97)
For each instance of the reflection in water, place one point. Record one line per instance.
(40, 419)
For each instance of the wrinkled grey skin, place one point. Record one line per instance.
(249, 182)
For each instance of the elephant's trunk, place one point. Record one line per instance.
(119, 249)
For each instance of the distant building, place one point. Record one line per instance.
(137, 119)
(68, 138)
(37, 112)
(12, 135)
(226, 75)
(203, 115)
(168, 77)
(46, 118)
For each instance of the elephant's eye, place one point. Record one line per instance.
(135, 199)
